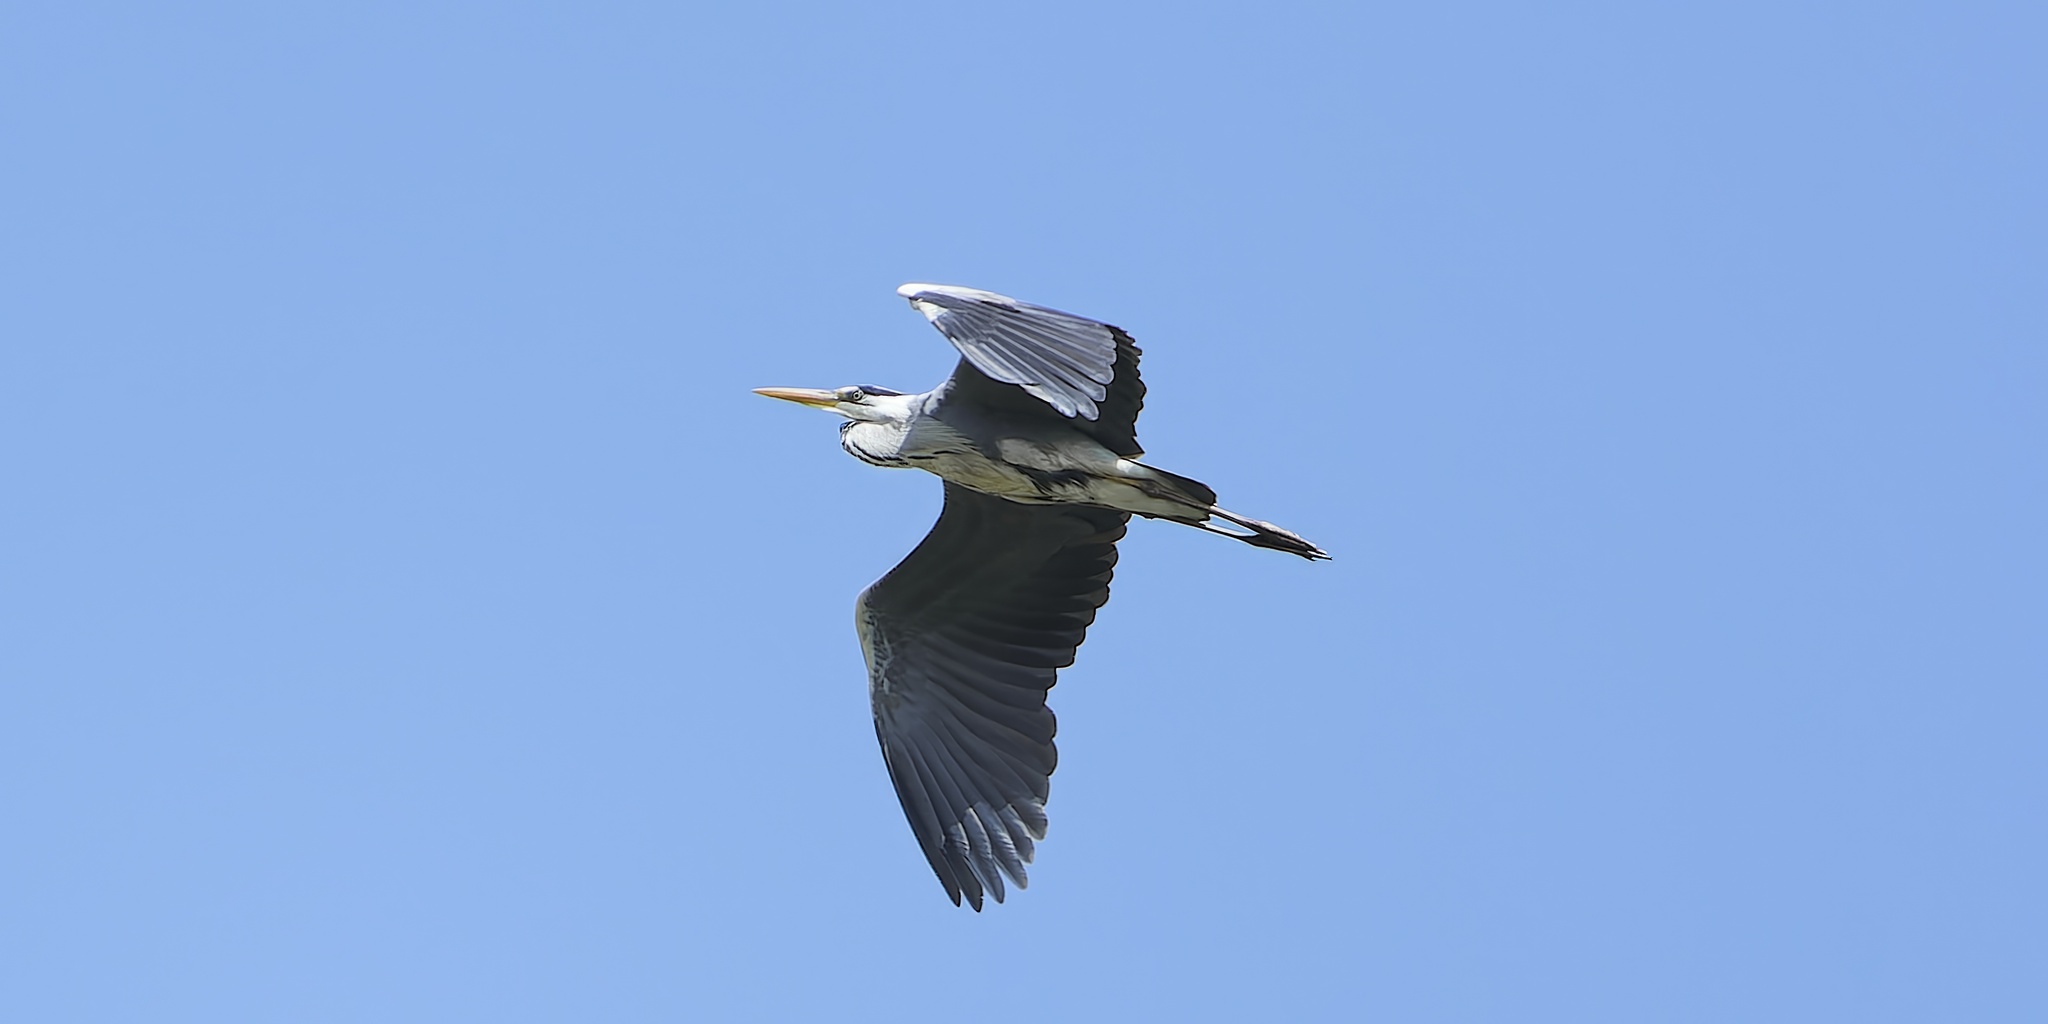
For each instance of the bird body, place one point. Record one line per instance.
(1033, 461)
(1035, 437)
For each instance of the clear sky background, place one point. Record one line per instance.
(407, 614)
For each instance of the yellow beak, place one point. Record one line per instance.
(812, 397)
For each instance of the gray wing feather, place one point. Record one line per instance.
(963, 639)
(1024, 359)
(1063, 360)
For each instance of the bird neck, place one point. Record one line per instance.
(875, 442)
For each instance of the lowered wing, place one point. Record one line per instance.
(963, 639)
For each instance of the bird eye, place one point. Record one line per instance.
(852, 395)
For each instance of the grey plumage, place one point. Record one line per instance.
(1035, 434)
(962, 641)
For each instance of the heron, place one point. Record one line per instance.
(1035, 437)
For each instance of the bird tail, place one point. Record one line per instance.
(1175, 487)
(1201, 499)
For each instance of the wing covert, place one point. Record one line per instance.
(962, 641)
(1084, 369)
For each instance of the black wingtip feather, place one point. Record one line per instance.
(970, 642)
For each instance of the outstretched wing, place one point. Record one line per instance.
(1082, 368)
(962, 640)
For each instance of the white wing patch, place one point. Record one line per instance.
(1063, 360)
(914, 289)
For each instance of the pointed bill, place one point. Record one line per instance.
(814, 397)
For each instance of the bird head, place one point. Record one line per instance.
(864, 402)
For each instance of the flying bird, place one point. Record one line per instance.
(1035, 436)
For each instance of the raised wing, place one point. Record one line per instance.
(1082, 368)
(962, 640)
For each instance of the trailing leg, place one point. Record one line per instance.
(1197, 502)
(1263, 535)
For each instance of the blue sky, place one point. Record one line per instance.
(408, 614)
